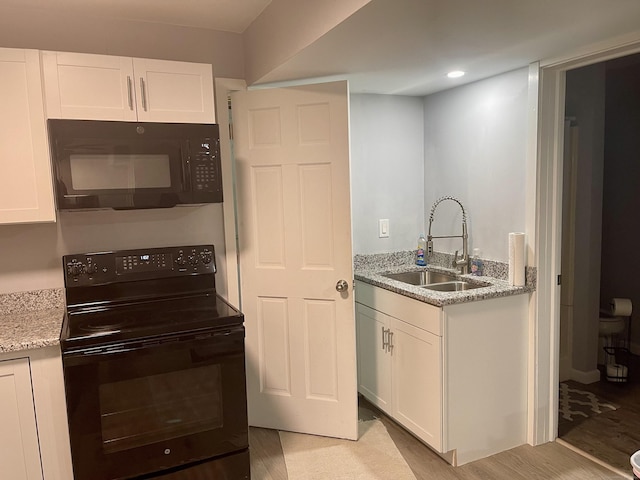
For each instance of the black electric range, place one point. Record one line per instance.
(154, 367)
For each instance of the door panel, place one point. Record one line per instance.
(417, 380)
(19, 449)
(374, 369)
(268, 203)
(274, 359)
(321, 349)
(316, 215)
(292, 154)
(168, 91)
(87, 86)
(26, 195)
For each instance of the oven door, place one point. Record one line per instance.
(147, 406)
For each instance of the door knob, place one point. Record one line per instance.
(342, 286)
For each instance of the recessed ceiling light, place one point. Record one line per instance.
(455, 74)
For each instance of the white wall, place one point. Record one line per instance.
(31, 255)
(71, 32)
(387, 164)
(475, 150)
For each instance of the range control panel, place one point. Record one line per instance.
(88, 269)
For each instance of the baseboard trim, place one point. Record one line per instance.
(592, 376)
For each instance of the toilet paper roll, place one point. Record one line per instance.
(516, 259)
(621, 307)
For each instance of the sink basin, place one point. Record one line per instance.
(457, 286)
(421, 277)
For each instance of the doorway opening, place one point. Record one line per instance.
(599, 369)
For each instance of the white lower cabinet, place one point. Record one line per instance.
(399, 371)
(34, 437)
(454, 376)
(374, 362)
(19, 449)
(417, 381)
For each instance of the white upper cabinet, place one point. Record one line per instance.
(173, 91)
(103, 87)
(26, 193)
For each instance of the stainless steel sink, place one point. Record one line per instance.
(457, 286)
(421, 278)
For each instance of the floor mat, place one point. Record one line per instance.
(576, 405)
(374, 456)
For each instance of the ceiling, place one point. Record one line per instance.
(225, 15)
(407, 46)
(402, 46)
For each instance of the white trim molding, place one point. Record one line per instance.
(224, 87)
(544, 357)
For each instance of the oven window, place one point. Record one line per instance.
(119, 171)
(149, 409)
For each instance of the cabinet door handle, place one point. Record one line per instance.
(384, 338)
(143, 92)
(130, 92)
(390, 342)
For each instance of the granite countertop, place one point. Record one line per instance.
(30, 320)
(372, 273)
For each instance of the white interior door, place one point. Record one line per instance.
(294, 212)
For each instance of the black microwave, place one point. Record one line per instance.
(131, 165)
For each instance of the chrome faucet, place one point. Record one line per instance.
(461, 263)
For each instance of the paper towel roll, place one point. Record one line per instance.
(621, 307)
(516, 259)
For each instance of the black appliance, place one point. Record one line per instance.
(131, 165)
(154, 367)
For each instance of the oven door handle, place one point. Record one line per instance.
(214, 339)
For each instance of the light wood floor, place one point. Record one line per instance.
(551, 461)
(614, 436)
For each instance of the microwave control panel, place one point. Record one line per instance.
(205, 166)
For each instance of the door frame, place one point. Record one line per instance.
(545, 307)
(223, 89)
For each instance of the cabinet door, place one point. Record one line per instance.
(374, 362)
(90, 87)
(19, 451)
(26, 193)
(173, 91)
(417, 381)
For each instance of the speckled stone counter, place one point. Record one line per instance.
(371, 268)
(30, 320)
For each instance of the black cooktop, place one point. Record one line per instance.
(120, 296)
(114, 324)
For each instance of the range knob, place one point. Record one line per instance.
(75, 269)
(206, 257)
(92, 268)
(180, 259)
(193, 260)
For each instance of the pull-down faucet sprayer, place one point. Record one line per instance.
(461, 263)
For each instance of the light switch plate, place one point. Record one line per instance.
(383, 228)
